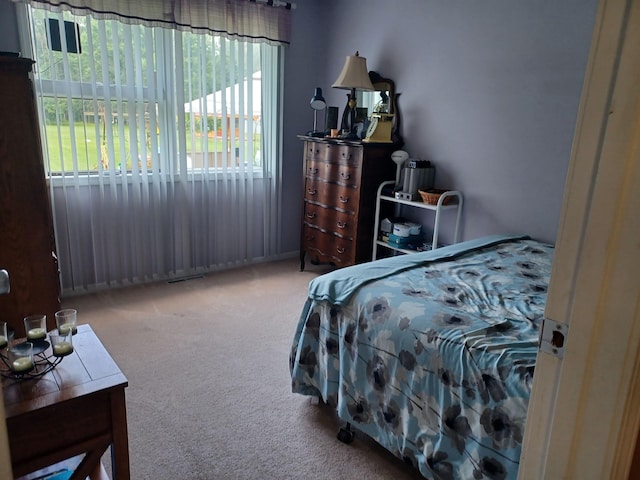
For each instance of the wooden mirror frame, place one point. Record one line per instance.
(381, 84)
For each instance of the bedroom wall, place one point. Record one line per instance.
(305, 65)
(8, 29)
(489, 93)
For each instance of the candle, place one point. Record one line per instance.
(61, 349)
(22, 364)
(3, 341)
(36, 333)
(66, 327)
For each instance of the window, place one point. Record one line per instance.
(161, 146)
(128, 98)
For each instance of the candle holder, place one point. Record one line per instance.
(35, 327)
(67, 320)
(30, 357)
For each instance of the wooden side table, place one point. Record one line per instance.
(77, 408)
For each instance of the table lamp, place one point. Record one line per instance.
(317, 103)
(354, 75)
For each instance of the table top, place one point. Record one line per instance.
(87, 370)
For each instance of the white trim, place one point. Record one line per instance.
(195, 175)
(24, 30)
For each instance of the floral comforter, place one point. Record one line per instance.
(434, 359)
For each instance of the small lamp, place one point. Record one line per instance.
(354, 75)
(317, 103)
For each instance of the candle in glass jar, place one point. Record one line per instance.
(22, 364)
(62, 348)
(3, 341)
(36, 333)
(65, 328)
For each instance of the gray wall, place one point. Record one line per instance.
(8, 29)
(305, 65)
(489, 93)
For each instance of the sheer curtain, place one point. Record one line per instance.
(161, 146)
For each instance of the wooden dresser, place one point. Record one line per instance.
(340, 183)
(27, 245)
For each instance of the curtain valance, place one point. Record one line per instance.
(237, 19)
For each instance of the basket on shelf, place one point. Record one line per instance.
(432, 196)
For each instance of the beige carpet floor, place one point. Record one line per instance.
(209, 395)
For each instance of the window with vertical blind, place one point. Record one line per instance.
(118, 97)
(161, 147)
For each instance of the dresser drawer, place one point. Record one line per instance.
(332, 195)
(340, 223)
(326, 247)
(332, 153)
(342, 174)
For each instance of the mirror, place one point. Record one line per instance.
(382, 100)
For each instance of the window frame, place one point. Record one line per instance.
(166, 44)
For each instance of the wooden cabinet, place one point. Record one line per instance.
(27, 245)
(340, 183)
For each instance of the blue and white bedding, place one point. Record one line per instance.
(431, 354)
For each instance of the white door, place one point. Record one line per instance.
(583, 415)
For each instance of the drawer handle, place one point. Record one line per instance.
(341, 224)
(312, 191)
(311, 215)
(308, 238)
(344, 199)
(345, 175)
(340, 250)
(313, 171)
(345, 155)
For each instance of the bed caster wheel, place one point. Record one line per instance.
(345, 435)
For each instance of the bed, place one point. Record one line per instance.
(431, 354)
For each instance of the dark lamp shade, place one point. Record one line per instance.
(354, 74)
(317, 101)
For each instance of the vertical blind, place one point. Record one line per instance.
(161, 148)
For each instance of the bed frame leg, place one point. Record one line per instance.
(346, 435)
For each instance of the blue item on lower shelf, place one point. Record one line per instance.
(403, 242)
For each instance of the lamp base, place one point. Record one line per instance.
(315, 132)
(349, 115)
